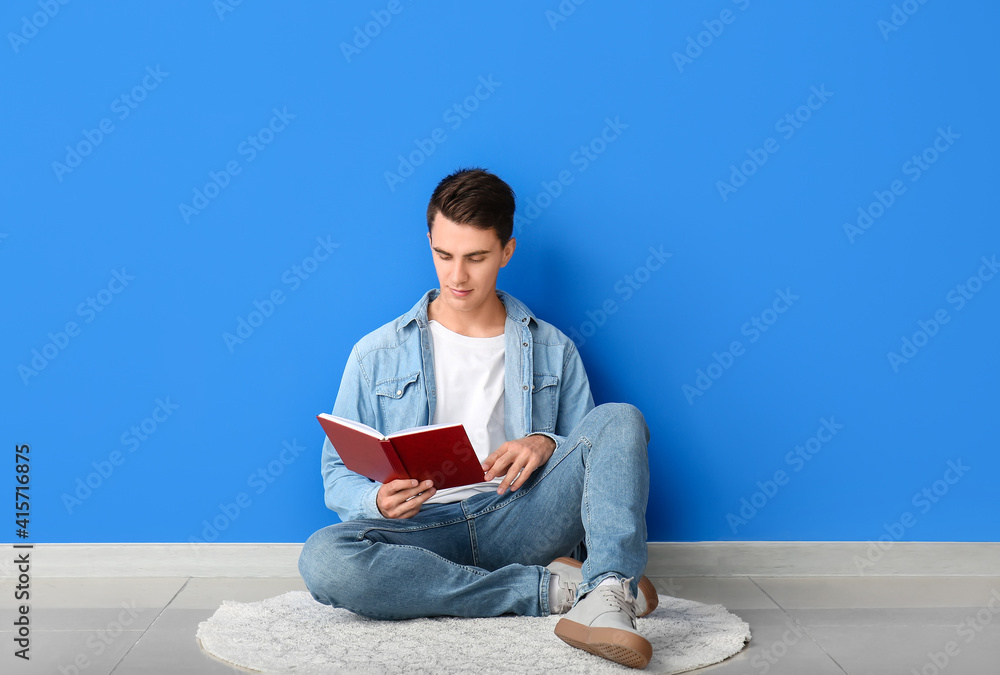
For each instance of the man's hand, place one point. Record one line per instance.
(403, 498)
(518, 457)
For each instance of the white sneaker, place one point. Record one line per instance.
(603, 623)
(571, 576)
(564, 595)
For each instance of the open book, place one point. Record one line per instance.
(440, 452)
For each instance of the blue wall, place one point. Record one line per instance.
(741, 210)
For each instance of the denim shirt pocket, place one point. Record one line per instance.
(398, 402)
(544, 400)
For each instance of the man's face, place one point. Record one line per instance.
(467, 260)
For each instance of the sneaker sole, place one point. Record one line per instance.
(613, 644)
(646, 587)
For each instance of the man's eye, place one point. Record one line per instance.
(476, 260)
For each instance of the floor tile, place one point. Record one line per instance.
(881, 616)
(850, 592)
(779, 646)
(182, 619)
(97, 592)
(829, 625)
(731, 592)
(875, 650)
(208, 593)
(84, 619)
(69, 652)
(170, 651)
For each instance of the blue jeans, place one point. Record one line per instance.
(485, 555)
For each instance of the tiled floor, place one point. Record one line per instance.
(800, 626)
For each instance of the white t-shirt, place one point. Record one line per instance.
(468, 376)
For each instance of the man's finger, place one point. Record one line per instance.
(396, 493)
(489, 464)
(401, 484)
(410, 492)
(410, 506)
(525, 473)
(500, 464)
(413, 504)
(424, 487)
(509, 478)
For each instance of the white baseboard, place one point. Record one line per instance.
(666, 559)
(823, 558)
(161, 560)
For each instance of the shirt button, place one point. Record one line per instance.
(399, 392)
(524, 344)
(525, 387)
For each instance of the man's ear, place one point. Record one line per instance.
(508, 251)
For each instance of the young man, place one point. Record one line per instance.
(561, 477)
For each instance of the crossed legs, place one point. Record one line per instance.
(485, 556)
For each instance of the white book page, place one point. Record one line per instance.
(358, 426)
(418, 430)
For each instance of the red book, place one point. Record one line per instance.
(440, 452)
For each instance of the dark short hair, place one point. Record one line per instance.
(475, 197)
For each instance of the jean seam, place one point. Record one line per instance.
(585, 588)
(425, 526)
(470, 522)
(543, 592)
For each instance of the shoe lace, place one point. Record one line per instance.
(568, 589)
(619, 597)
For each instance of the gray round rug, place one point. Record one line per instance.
(292, 633)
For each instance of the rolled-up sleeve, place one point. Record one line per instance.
(349, 494)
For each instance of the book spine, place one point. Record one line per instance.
(397, 464)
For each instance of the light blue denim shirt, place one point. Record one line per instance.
(388, 384)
